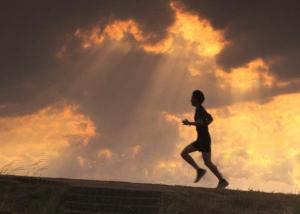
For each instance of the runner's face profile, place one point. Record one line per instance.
(194, 101)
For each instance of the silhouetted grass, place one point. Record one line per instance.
(187, 201)
(23, 197)
(29, 194)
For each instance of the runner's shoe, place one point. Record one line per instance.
(222, 184)
(200, 174)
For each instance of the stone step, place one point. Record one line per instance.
(120, 208)
(115, 192)
(103, 199)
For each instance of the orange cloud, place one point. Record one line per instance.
(105, 153)
(44, 135)
(197, 33)
(94, 36)
(250, 77)
(163, 46)
(135, 150)
(115, 30)
(81, 161)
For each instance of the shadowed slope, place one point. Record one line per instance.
(62, 195)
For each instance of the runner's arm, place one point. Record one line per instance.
(208, 120)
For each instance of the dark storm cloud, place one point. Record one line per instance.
(267, 29)
(33, 31)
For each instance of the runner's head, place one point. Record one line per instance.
(197, 97)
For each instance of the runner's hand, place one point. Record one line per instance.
(186, 122)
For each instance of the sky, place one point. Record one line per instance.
(98, 89)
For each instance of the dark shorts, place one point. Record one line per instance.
(202, 144)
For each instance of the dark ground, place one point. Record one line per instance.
(21, 194)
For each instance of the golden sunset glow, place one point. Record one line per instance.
(45, 135)
(208, 42)
(135, 150)
(116, 31)
(105, 153)
(94, 35)
(199, 36)
(118, 28)
(246, 78)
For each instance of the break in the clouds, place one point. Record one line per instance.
(124, 64)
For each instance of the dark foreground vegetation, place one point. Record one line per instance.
(210, 201)
(22, 195)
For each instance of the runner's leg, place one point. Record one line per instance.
(207, 160)
(186, 156)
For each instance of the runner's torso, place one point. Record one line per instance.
(202, 130)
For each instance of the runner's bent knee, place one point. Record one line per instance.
(184, 153)
(188, 149)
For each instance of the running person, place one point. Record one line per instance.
(202, 143)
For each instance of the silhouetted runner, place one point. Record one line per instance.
(202, 143)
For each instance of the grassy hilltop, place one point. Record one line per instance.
(21, 194)
(229, 201)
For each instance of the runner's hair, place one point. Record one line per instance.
(199, 95)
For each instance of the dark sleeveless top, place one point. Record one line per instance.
(202, 130)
